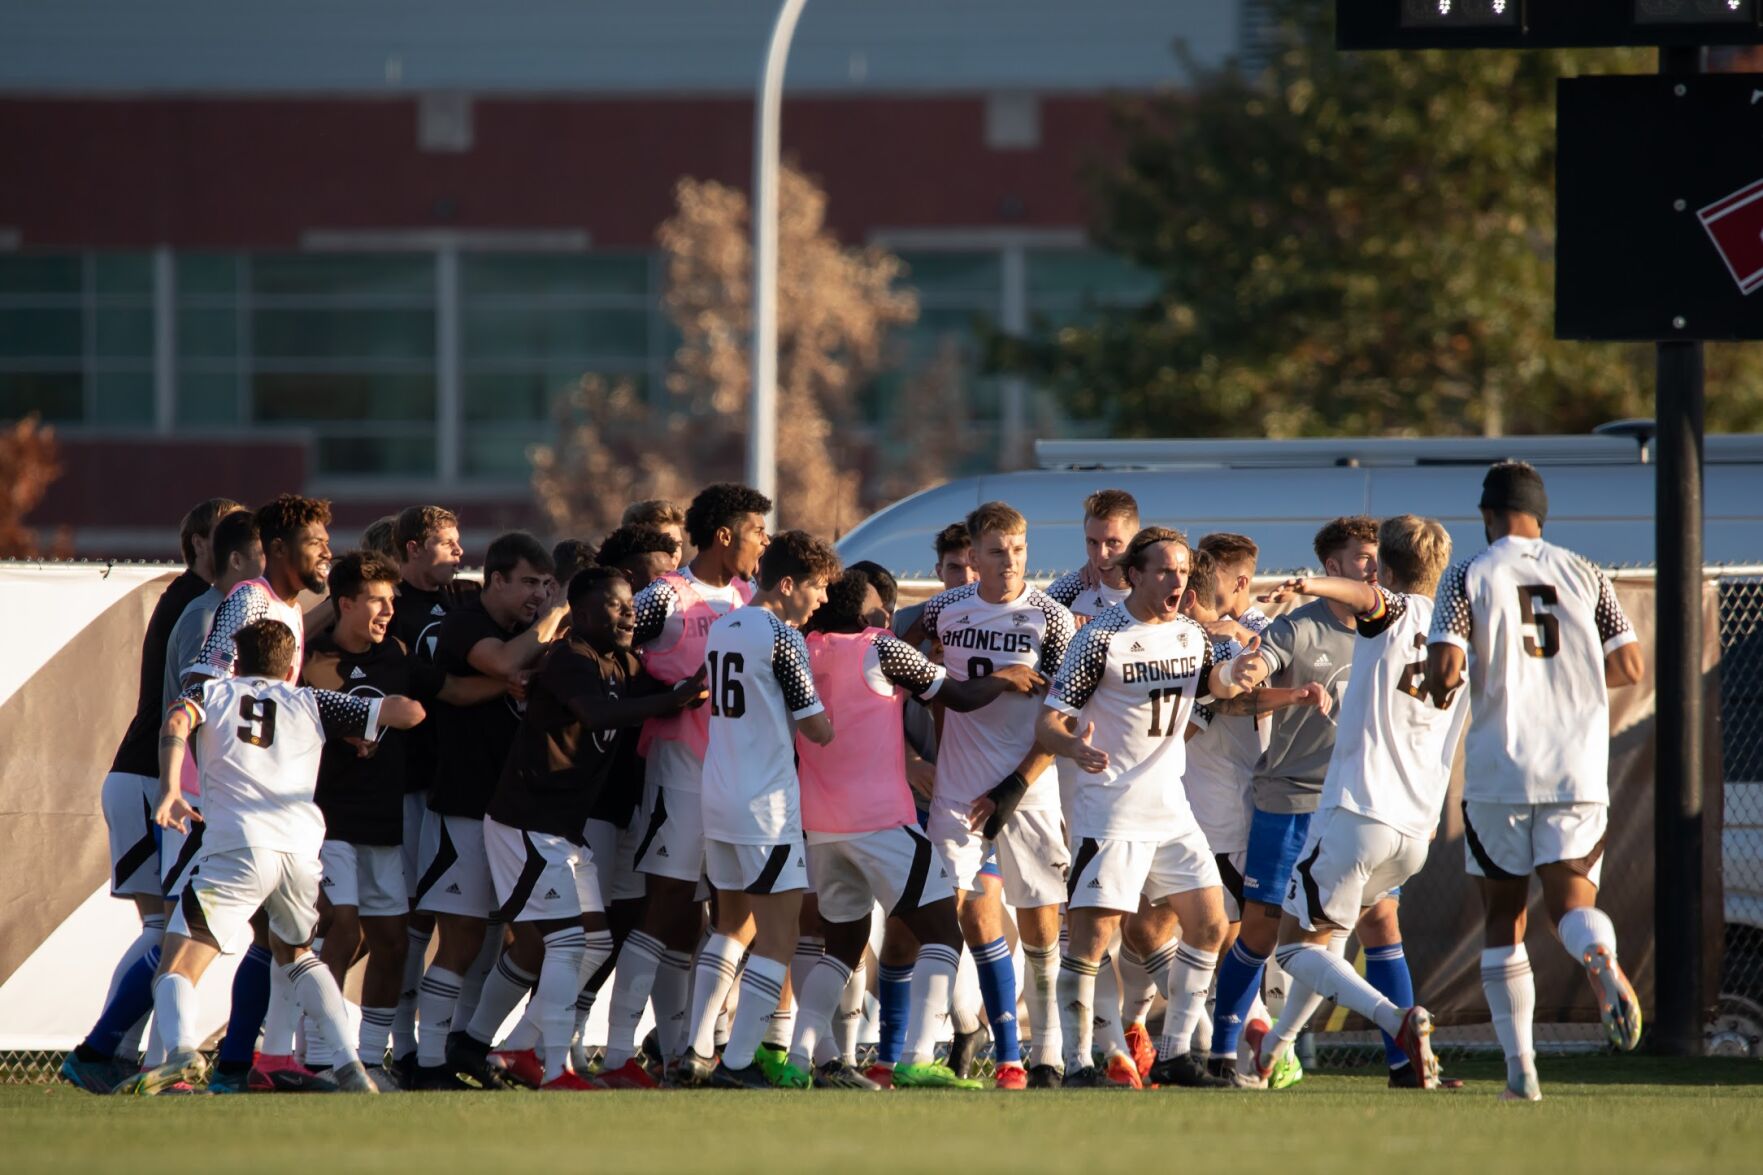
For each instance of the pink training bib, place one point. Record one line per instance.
(678, 661)
(857, 783)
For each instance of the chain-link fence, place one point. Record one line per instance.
(1737, 1026)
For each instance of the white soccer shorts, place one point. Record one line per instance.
(897, 867)
(128, 802)
(615, 858)
(672, 817)
(1032, 857)
(756, 869)
(416, 807)
(1114, 874)
(225, 888)
(540, 877)
(1506, 841)
(177, 852)
(367, 877)
(1348, 862)
(455, 875)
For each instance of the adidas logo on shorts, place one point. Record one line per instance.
(551, 895)
(1095, 883)
(662, 851)
(454, 888)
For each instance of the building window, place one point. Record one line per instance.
(76, 338)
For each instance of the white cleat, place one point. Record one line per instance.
(1525, 1090)
(1617, 1003)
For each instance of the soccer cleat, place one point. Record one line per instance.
(237, 1081)
(882, 1075)
(437, 1079)
(751, 1077)
(1123, 1072)
(630, 1075)
(1526, 1090)
(404, 1068)
(94, 1076)
(771, 1060)
(1010, 1075)
(353, 1078)
(693, 1071)
(1404, 1078)
(789, 1076)
(283, 1074)
(1144, 1053)
(1225, 1068)
(569, 1081)
(1288, 1070)
(1188, 1071)
(380, 1076)
(1089, 1077)
(838, 1075)
(936, 1076)
(519, 1066)
(183, 1067)
(184, 1089)
(1617, 1003)
(1254, 1037)
(1415, 1040)
(470, 1059)
(1045, 1077)
(963, 1049)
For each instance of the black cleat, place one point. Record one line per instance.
(436, 1079)
(838, 1075)
(469, 1058)
(1045, 1077)
(1189, 1072)
(752, 1077)
(1089, 1077)
(963, 1049)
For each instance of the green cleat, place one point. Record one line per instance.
(771, 1061)
(1287, 1071)
(186, 1069)
(932, 1076)
(789, 1076)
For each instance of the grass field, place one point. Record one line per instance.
(1599, 1114)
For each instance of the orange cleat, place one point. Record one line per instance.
(1123, 1072)
(1144, 1053)
(882, 1075)
(1011, 1075)
(630, 1075)
(569, 1082)
(521, 1066)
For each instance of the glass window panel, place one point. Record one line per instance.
(294, 398)
(122, 275)
(208, 398)
(499, 452)
(27, 273)
(208, 334)
(207, 275)
(540, 275)
(125, 334)
(492, 396)
(40, 333)
(523, 333)
(1088, 274)
(123, 397)
(398, 455)
(57, 395)
(343, 274)
(938, 273)
(344, 334)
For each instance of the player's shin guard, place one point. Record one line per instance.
(501, 992)
(638, 961)
(279, 1020)
(816, 1001)
(1109, 1030)
(1586, 927)
(1386, 969)
(558, 985)
(1511, 993)
(1239, 979)
(1077, 997)
(315, 990)
(1137, 986)
(968, 1005)
(1043, 1002)
(930, 990)
(251, 986)
(762, 986)
(1190, 974)
(997, 986)
(1332, 978)
(436, 1002)
(175, 1011)
(718, 963)
(415, 959)
(894, 993)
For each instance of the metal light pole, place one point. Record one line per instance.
(767, 114)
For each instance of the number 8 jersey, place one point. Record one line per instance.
(1536, 622)
(1138, 683)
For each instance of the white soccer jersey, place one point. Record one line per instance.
(661, 623)
(1222, 758)
(1138, 683)
(250, 601)
(759, 681)
(1083, 601)
(980, 748)
(1392, 758)
(1536, 621)
(258, 742)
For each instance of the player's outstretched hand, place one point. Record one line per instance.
(175, 812)
(1249, 669)
(694, 691)
(1284, 592)
(1087, 756)
(1021, 679)
(401, 713)
(1314, 694)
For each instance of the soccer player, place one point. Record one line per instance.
(1119, 709)
(259, 739)
(498, 634)
(643, 553)
(1314, 643)
(378, 537)
(1111, 518)
(761, 695)
(864, 844)
(665, 516)
(128, 792)
(1545, 640)
(585, 702)
(726, 523)
(995, 787)
(1380, 798)
(570, 556)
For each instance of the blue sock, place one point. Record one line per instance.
(1239, 979)
(997, 987)
(1386, 968)
(894, 993)
(133, 999)
(250, 1005)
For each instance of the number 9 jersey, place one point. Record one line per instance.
(1536, 622)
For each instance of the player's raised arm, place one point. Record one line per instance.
(1447, 644)
(1356, 594)
(173, 811)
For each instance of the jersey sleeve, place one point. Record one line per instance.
(347, 716)
(1390, 607)
(1061, 628)
(654, 604)
(1211, 655)
(930, 612)
(1065, 589)
(1453, 623)
(789, 664)
(1613, 626)
(1200, 716)
(1086, 659)
(218, 651)
(1277, 640)
(908, 668)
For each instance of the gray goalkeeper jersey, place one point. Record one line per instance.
(1305, 645)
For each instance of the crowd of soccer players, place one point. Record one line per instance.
(707, 774)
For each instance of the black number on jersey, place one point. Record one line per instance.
(979, 667)
(728, 697)
(1414, 677)
(259, 714)
(1172, 694)
(1532, 596)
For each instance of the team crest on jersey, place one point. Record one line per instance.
(1019, 618)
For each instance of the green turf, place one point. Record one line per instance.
(1600, 1114)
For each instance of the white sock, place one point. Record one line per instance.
(1511, 993)
(638, 961)
(849, 1023)
(152, 935)
(317, 1053)
(376, 1030)
(471, 982)
(718, 963)
(437, 1000)
(525, 1034)
(672, 999)
(1334, 979)
(278, 1021)
(498, 996)
(174, 1011)
(559, 982)
(1202, 1028)
(1108, 1031)
(1584, 928)
(1258, 1009)
(316, 990)
(762, 986)
(807, 953)
(1077, 995)
(1274, 987)
(816, 1001)
(934, 982)
(968, 1002)
(415, 959)
(1157, 965)
(1190, 974)
(1137, 988)
(780, 1028)
(1042, 990)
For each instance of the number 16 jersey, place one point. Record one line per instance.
(1536, 621)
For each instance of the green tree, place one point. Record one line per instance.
(1351, 243)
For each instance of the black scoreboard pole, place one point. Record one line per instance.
(1677, 797)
